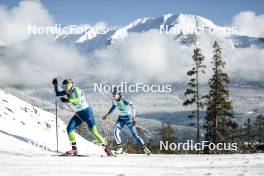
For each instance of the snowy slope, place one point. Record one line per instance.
(167, 165)
(25, 129)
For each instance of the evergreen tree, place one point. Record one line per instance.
(248, 130)
(260, 128)
(192, 92)
(218, 121)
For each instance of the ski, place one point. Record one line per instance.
(118, 154)
(79, 155)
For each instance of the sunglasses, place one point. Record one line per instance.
(64, 86)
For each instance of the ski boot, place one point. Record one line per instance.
(119, 149)
(107, 150)
(73, 151)
(146, 150)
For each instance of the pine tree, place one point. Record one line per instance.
(260, 128)
(218, 121)
(247, 130)
(192, 91)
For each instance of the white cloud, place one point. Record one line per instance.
(150, 56)
(249, 23)
(32, 60)
(14, 23)
(244, 63)
(143, 57)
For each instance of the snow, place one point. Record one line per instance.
(246, 165)
(27, 130)
(92, 32)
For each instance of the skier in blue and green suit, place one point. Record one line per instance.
(84, 113)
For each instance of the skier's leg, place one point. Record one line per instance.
(135, 134)
(97, 136)
(88, 116)
(74, 122)
(89, 119)
(118, 127)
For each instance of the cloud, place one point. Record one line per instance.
(244, 63)
(14, 22)
(37, 61)
(32, 60)
(143, 57)
(149, 56)
(249, 23)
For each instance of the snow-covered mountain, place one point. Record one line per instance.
(27, 130)
(179, 25)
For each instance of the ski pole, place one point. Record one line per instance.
(144, 129)
(74, 112)
(56, 113)
(137, 126)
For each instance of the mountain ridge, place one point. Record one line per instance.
(92, 40)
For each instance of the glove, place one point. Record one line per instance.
(64, 100)
(104, 117)
(133, 121)
(55, 82)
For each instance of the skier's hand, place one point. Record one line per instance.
(104, 117)
(64, 100)
(55, 82)
(133, 120)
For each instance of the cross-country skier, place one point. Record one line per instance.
(75, 96)
(126, 117)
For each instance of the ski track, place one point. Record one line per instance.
(238, 164)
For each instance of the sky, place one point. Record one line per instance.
(122, 12)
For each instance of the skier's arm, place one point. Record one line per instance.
(74, 100)
(133, 110)
(59, 93)
(111, 109)
(55, 84)
(109, 112)
(78, 94)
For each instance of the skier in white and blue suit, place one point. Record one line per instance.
(126, 117)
